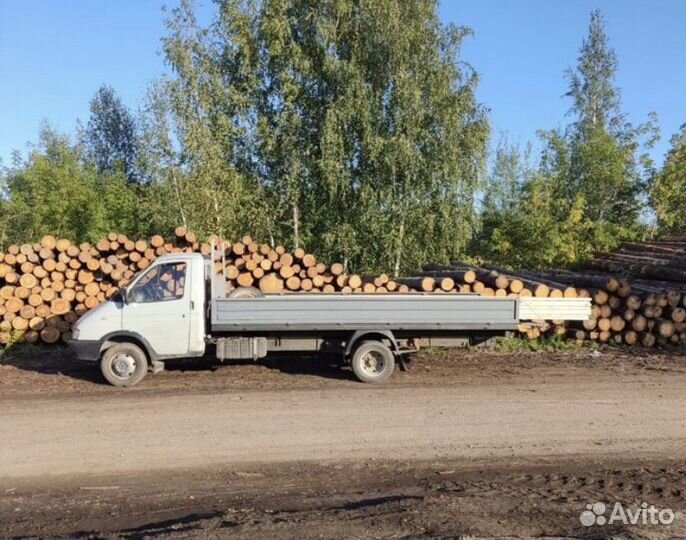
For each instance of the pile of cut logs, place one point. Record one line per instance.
(654, 261)
(45, 287)
(638, 292)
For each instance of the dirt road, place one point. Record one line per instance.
(118, 433)
(461, 444)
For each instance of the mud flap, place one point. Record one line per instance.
(157, 367)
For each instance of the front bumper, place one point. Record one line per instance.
(85, 349)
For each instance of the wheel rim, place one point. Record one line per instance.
(123, 365)
(373, 362)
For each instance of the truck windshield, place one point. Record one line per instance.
(160, 283)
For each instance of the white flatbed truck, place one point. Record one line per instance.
(178, 308)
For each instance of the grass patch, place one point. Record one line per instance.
(21, 350)
(545, 344)
(522, 344)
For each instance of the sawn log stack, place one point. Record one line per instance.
(46, 286)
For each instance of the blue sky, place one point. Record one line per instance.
(55, 54)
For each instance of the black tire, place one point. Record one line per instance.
(373, 362)
(124, 364)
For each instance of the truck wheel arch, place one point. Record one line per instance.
(371, 335)
(128, 337)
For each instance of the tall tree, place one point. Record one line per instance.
(199, 127)
(668, 187)
(110, 136)
(351, 126)
(595, 99)
(604, 164)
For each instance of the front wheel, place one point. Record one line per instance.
(373, 362)
(124, 364)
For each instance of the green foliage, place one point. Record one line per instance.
(504, 183)
(546, 344)
(605, 166)
(110, 137)
(349, 127)
(585, 195)
(668, 187)
(55, 192)
(15, 348)
(196, 131)
(595, 99)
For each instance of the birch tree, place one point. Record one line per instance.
(348, 126)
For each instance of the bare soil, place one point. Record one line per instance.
(462, 444)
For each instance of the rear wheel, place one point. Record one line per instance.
(373, 362)
(124, 364)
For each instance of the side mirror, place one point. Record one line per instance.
(119, 296)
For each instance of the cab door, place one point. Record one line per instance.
(159, 307)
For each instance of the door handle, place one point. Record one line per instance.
(192, 305)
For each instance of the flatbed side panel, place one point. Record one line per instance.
(568, 309)
(361, 312)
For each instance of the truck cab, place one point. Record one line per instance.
(161, 312)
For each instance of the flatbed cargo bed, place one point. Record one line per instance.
(306, 312)
(413, 311)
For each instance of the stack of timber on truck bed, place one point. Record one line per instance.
(638, 292)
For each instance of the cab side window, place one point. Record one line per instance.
(161, 283)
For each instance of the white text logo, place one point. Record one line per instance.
(646, 514)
